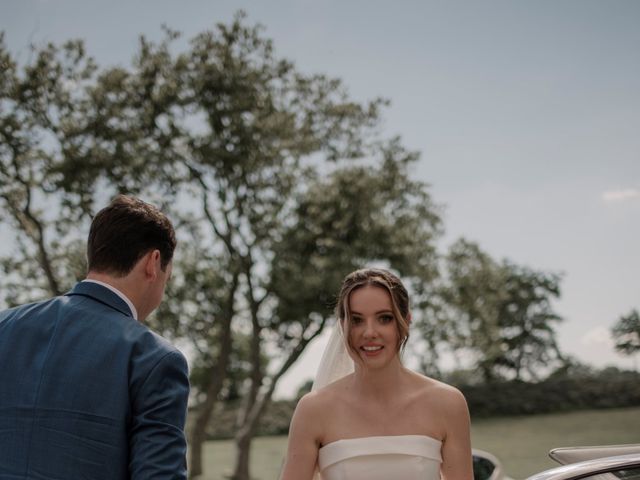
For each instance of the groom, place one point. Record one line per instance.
(86, 390)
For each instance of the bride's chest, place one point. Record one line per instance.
(345, 421)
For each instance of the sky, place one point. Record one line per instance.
(526, 114)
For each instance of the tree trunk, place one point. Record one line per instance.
(243, 453)
(203, 413)
(248, 418)
(254, 412)
(196, 441)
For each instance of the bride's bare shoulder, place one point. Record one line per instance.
(317, 400)
(432, 390)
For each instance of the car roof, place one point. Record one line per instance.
(567, 455)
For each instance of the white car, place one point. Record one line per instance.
(608, 462)
(487, 466)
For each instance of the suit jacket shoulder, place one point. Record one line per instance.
(88, 378)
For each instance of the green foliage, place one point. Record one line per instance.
(500, 313)
(304, 389)
(607, 388)
(626, 333)
(44, 114)
(352, 217)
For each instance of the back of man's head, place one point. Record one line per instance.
(123, 232)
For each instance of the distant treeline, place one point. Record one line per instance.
(607, 388)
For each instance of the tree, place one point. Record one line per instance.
(626, 333)
(43, 119)
(501, 313)
(528, 321)
(275, 180)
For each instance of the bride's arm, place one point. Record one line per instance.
(304, 441)
(457, 463)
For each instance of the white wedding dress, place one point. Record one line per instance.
(402, 457)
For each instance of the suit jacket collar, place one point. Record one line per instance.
(102, 295)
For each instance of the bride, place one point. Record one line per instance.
(369, 417)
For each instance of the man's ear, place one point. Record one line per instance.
(151, 264)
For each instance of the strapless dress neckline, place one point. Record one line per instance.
(378, 457)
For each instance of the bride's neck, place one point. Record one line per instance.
(379, 382)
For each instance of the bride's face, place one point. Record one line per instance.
(373, 333)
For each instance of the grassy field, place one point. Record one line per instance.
(521, 443)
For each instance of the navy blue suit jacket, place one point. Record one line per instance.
(88, 392)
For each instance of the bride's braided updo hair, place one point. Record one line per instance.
(376, 277)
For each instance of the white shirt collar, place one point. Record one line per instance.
(134, 312)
